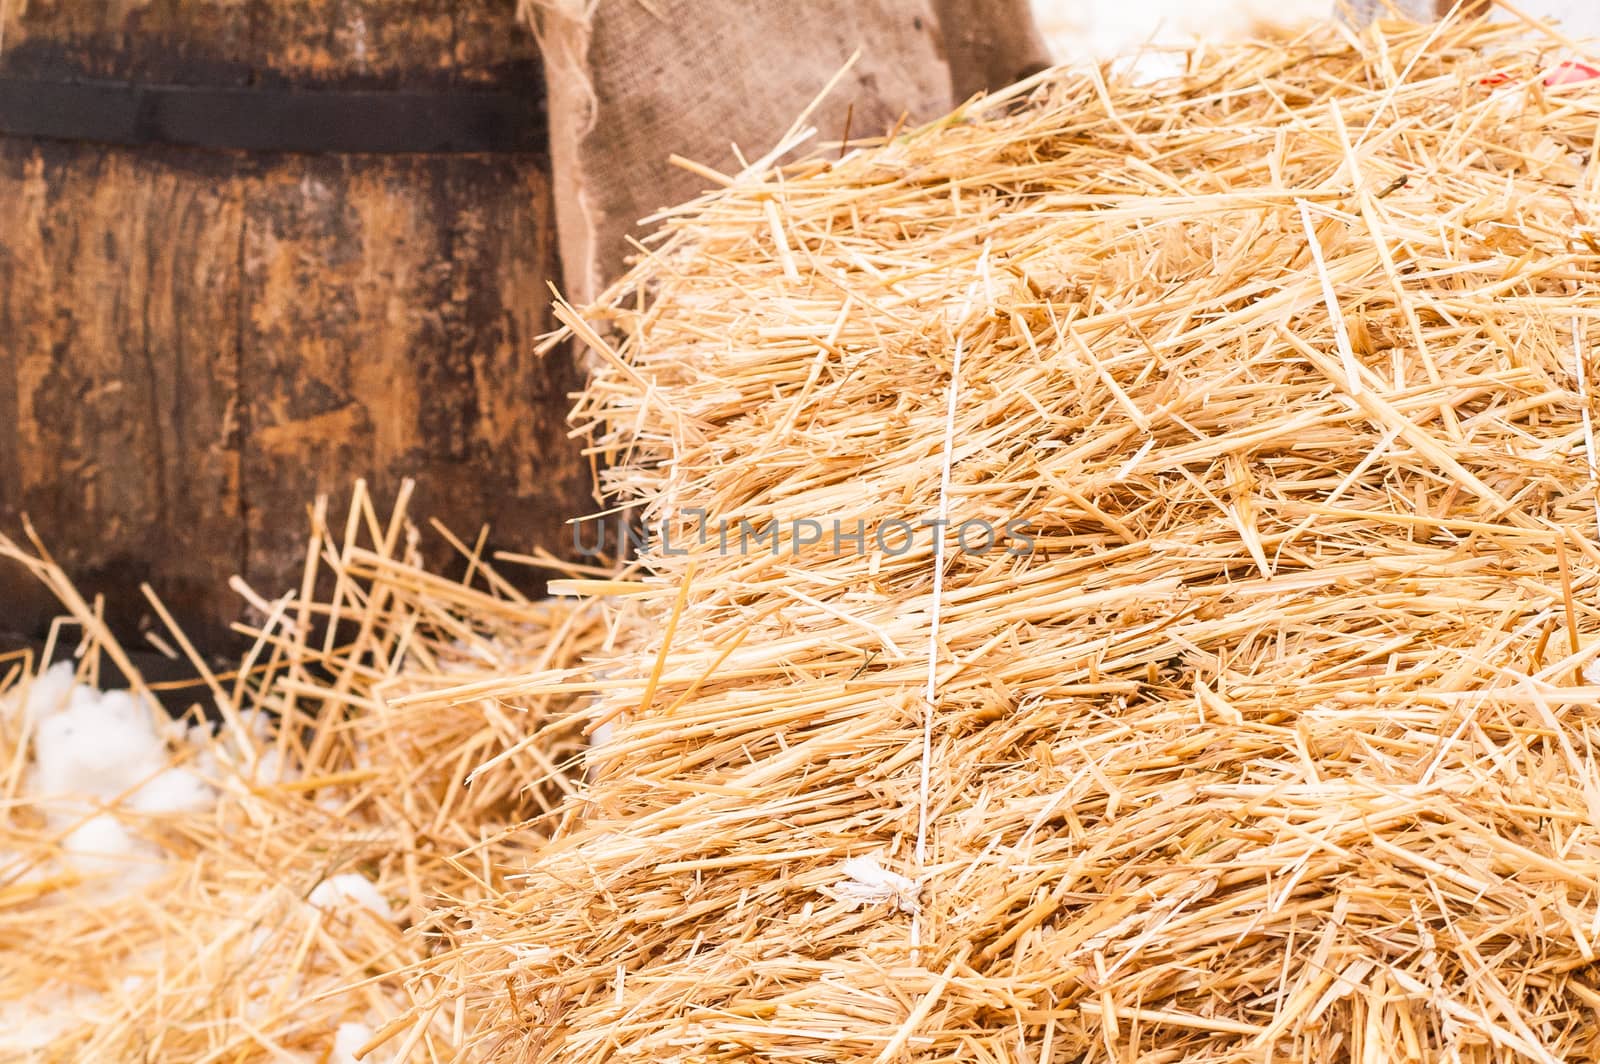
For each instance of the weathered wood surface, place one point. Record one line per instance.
(195, 344)
(349, 43)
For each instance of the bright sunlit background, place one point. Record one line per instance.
(1100, 29)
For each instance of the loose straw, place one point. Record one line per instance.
(1580, 370)
(936, 606)
(1351, 785)
(1330, 298)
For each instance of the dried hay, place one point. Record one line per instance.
(1277, 744)
(239, 941)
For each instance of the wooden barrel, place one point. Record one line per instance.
(251, 250)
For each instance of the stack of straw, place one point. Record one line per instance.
(1277, 743)
(1121, 589)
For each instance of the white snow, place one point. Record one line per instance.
(866, 882)
(102, 849)
(46, 694)
(270, 768)
(348, 892)
(97, 754)
(173, 790)
(347, 1041)
(100, 746)
(32, 1023)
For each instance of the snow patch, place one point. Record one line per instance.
(97, 755)
(346, 893)
(347, 1042)
(867, 882)
(112, 859)
(28, 1025)
(100, 747)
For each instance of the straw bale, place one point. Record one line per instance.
(1280, 740)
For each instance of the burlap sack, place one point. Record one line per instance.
(989, 43)
(632, 82)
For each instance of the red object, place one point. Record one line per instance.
(1568, 73)
(1571, 74)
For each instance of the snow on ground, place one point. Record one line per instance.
(98, 758)
(96, 766)
(101, 760)
(92, 748)
(28, 1025)
(348, 893)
